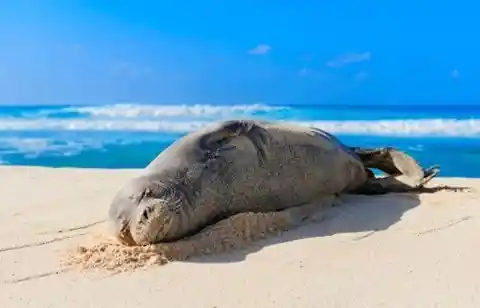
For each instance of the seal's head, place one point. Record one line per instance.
(159, 205)
(144, 211)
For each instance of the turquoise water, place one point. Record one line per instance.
(130, 135)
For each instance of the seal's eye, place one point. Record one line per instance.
(222, 140)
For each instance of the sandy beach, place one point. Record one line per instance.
(396, 250)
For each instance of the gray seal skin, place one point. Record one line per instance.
(241, 166)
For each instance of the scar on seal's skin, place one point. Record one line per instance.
(215, 142)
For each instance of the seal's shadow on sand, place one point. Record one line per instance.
(356, 213)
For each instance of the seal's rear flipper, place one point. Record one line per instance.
(390, 161)
(394, 162)
(405, 174)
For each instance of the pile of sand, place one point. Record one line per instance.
(235, 232)
(113, 256)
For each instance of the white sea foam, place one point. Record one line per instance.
(417, 127)
(24, 145)
(32, 147)
(160, 111)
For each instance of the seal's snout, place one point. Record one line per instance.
(159, 210)
(152, 222)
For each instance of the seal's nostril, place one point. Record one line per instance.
(145, 213)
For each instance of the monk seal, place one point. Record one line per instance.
(238, 166)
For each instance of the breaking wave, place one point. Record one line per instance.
(154, 111)
(414, 127)
(179, 119)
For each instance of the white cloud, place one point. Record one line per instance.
(261, 49)
(455, 73)
(349, 58)
(361, 76)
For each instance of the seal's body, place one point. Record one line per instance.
(233, 167)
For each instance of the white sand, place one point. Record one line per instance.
(383, 251)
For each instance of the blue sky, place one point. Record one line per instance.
(224, 52)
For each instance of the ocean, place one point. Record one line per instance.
(131, 135)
